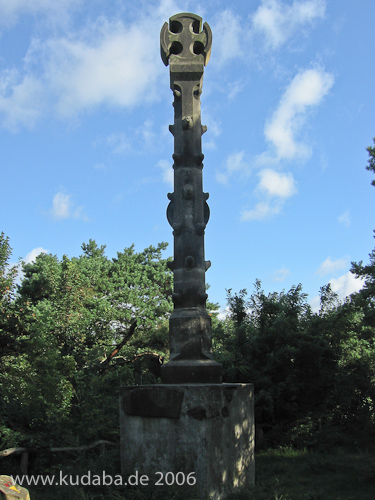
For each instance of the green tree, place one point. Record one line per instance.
(371, 161)
(83, 323)
(8, 322)
(366, 297)
(8, 316)
(232, 339)
(7, 273)
(358, 354)
(275, 341)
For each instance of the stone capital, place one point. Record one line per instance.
(184, 42)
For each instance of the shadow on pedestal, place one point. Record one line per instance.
(192, 433)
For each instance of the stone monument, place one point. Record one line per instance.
(187, 50)
(191, 431)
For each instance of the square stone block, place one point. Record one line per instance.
(199, 437)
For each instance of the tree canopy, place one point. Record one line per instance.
(78, 328)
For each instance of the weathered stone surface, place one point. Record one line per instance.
(213, 437)
(183, 37)
(186, 47)
(200, 428)
(152, 401)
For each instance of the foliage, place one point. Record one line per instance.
(7, 272)
(367, 272)
(371, 161)
(82, 324)
(312, 371)
(8, 316)
(339, 474)
(78, 328)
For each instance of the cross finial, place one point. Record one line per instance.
(185, 39)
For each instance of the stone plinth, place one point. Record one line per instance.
(204, 429)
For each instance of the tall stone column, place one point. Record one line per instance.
(186, 47)
(191, 431)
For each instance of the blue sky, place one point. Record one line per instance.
(288, 98)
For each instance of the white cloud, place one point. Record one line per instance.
(112, 64)
(29, 258)
(167, 172)
(280, 274)
(146, 134)
(345, 218)
(263, 210)
(234, 164)
(168, 8)
(234, 89)
(277, 188)
(105, 63)
(213, 127)
(33, 254)
(274, 20)
(278, 21)
(315, 303)
(223, 314)
(330, 266)
(343, 286)
(346, 285)
(63, 208)
(136, 140)
(276, 184)
(12, 9)
(306, 90)
(21, 100)
(229, 32)
(118, 142)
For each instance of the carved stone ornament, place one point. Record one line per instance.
(186, 48)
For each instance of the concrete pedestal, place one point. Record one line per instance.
(199, 437)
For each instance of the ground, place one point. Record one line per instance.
(283, 474)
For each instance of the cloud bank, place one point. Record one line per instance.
(12, 10)
(330, 266)
(117, 63)
(275, 188)
(306, 90)
(277, 21)
(105, 62)
(33, 254)
(234, 165)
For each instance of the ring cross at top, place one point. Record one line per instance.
(184, 38)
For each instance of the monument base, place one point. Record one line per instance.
(199, 437)
(191, 371)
